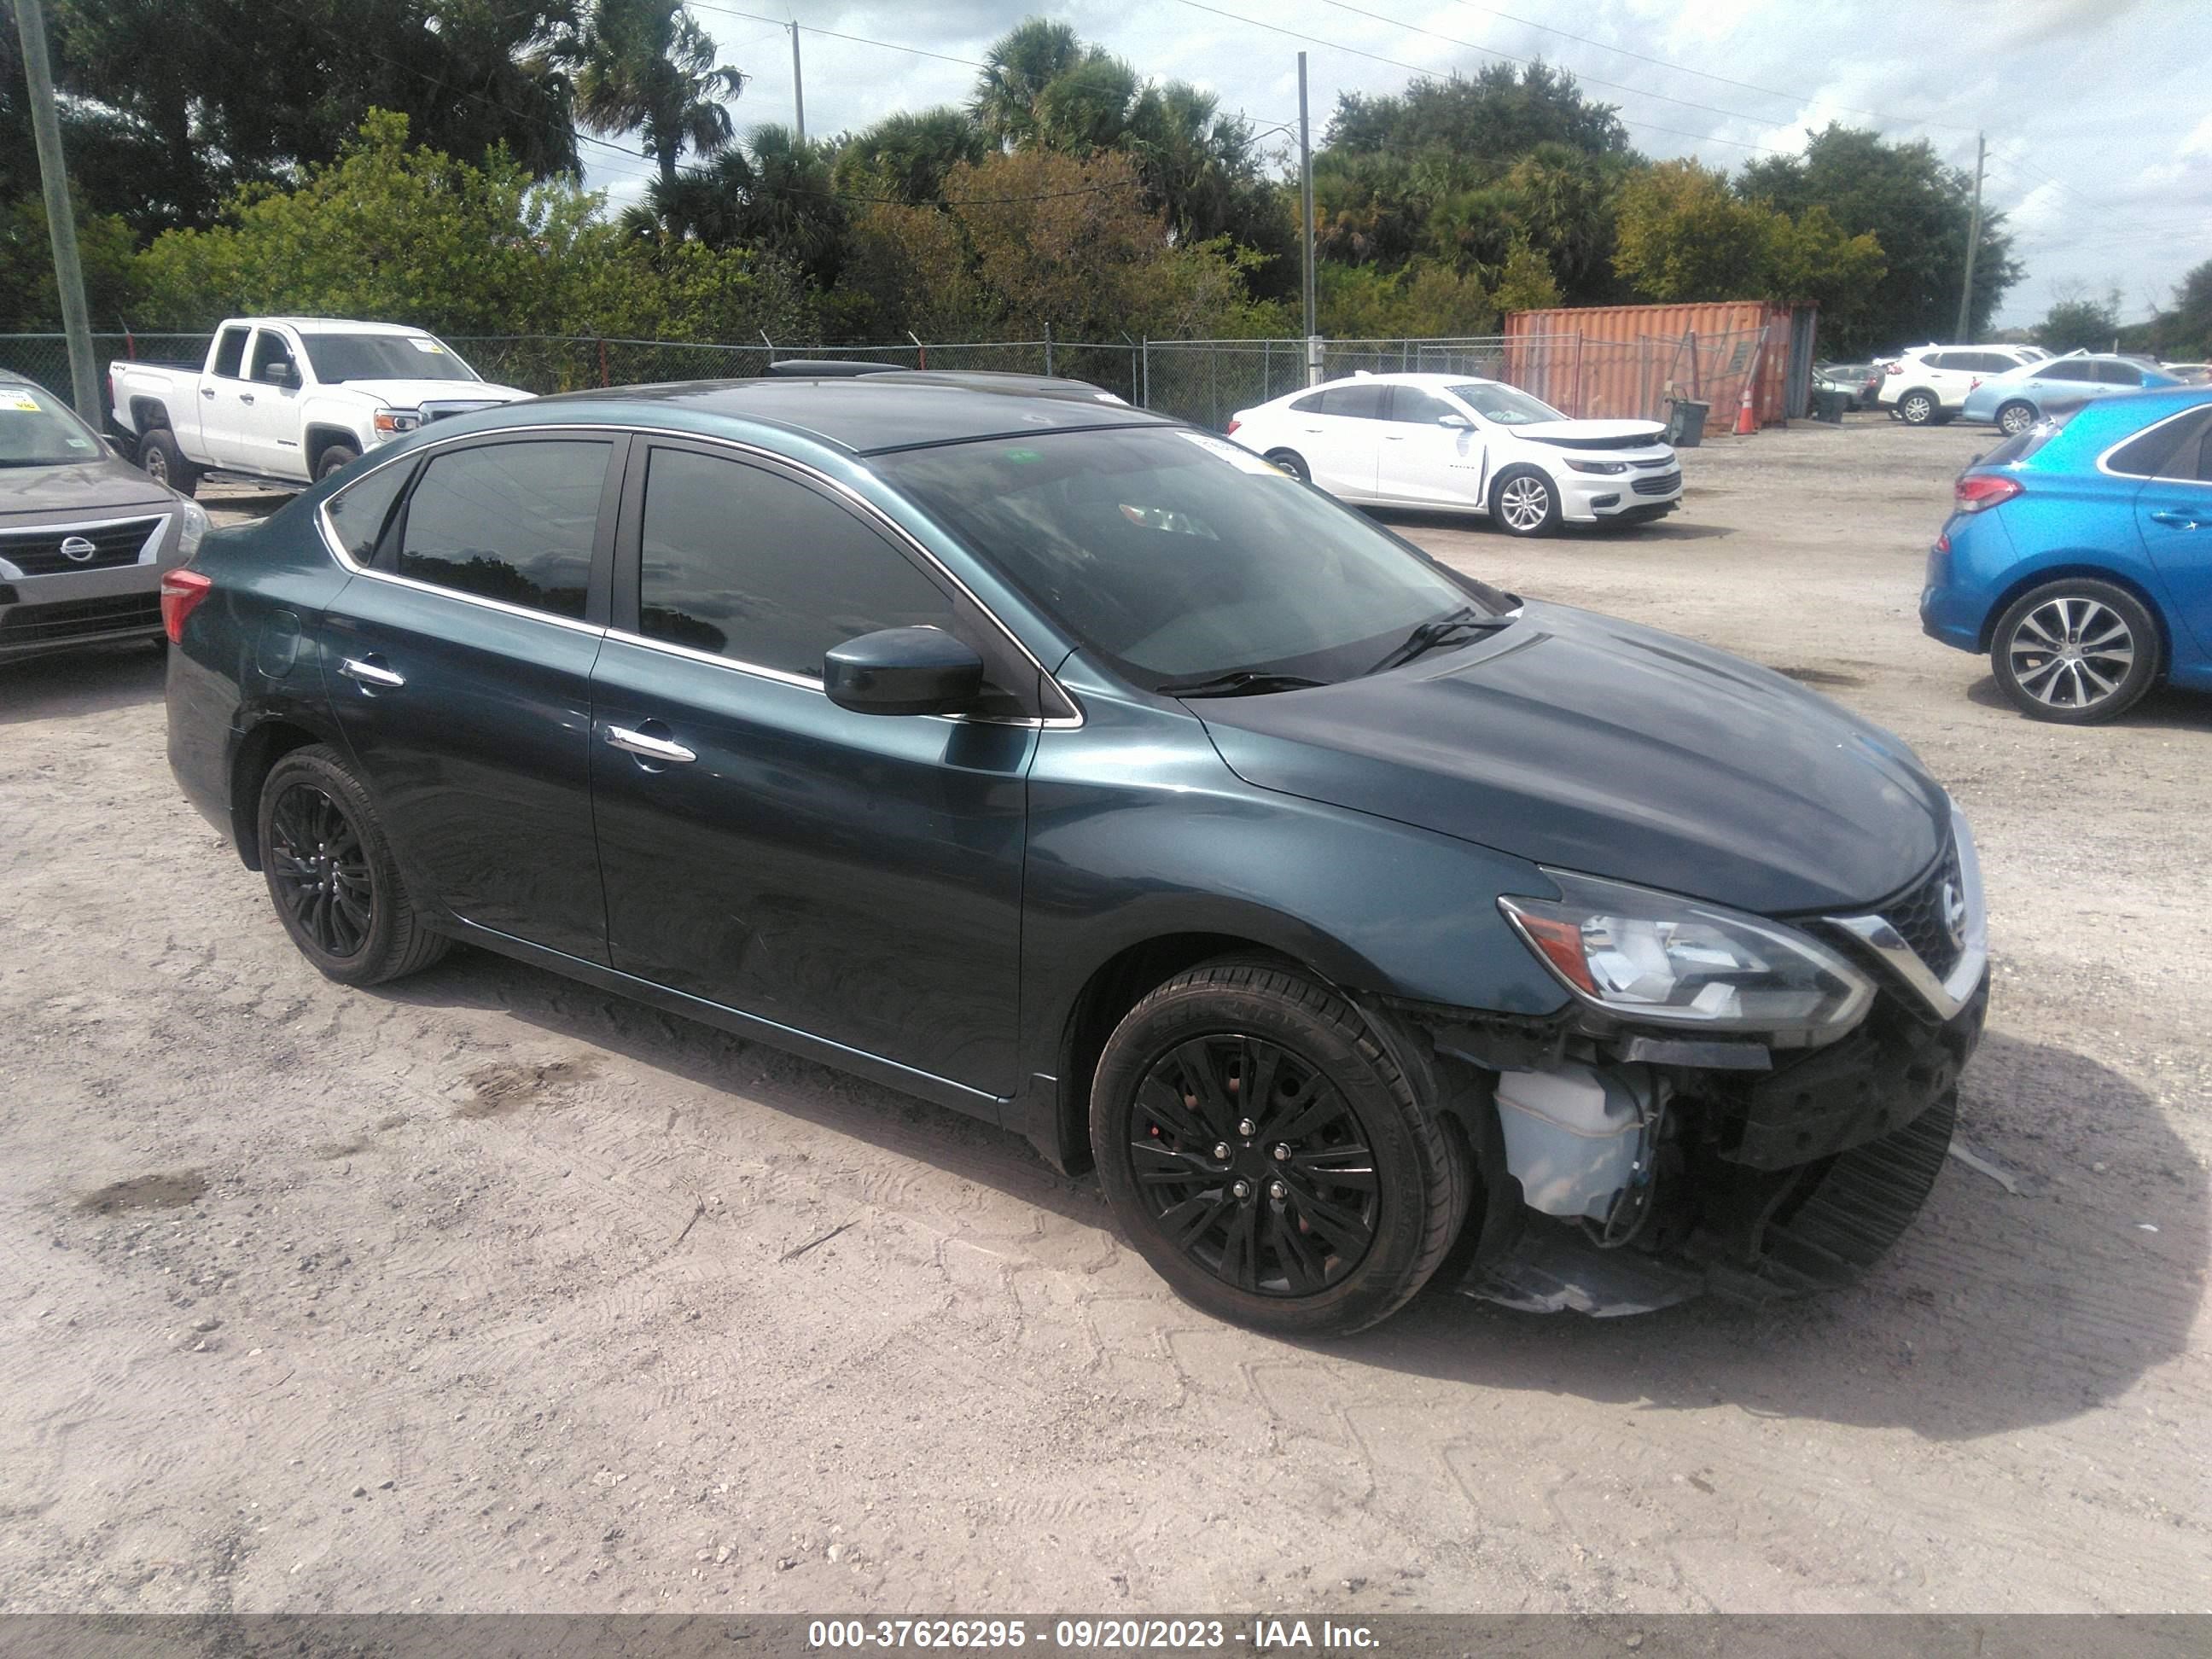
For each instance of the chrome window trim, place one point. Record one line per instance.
(868, 510)
(149, 553)
(1948, 995)
(2189, 413)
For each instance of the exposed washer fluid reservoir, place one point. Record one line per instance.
(1575, 1136)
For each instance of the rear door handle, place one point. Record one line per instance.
(645, 744)
(207, 392)
(2177, 520)
(371, 672)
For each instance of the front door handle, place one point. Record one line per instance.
(207, 392)
(645, 744)
(2177, 520)
(246, 397)
(371, 672)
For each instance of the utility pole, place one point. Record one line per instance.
(1306, 229)
(61, 218)
(1973, 245)
(797, 89)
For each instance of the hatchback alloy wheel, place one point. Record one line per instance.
(320, 870)
(2077, 652)
(1255, 1165)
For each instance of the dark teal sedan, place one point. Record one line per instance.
(1074, 769)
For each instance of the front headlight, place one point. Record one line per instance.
(390, 422)
(1648, 955)
(194, 526)
(1599, 466)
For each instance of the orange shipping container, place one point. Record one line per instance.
(1632, 361)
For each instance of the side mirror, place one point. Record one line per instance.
(279, 375)
(1455, 422)
(903, 671)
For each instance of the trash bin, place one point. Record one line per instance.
(1685, 423)
(1829, 406)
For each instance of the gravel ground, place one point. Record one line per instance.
(486, 1291)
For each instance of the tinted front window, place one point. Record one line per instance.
(1414, 407)
(751, 565)
(508, 521)
(37, 429)
(383, 357)
(1359, 403)
(269, 351)
(1176, 555)
(1505, 404)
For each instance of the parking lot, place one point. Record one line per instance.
(485, 1291)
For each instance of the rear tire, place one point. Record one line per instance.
(1292, 463)
(1266, 1154)
(161, 460)
(331, 875)
(1918, 408)
(2113, 642)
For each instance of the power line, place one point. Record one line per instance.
(857, 40)
(1430, 74)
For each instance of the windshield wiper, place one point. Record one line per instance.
(1237, 683)
(1430, 635)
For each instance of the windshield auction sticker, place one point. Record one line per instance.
(1243, 459)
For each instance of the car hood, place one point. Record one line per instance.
(1592, 434)
(412, 394)
(106, 488)
(1576, 741)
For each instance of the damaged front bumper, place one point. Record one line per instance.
(1752, 1184)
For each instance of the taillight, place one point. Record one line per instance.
(1233, 424)
(1972, 384)
(1977, 492)
(181, 594)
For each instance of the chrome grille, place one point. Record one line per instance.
(38, 552)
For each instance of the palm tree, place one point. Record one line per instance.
(1020, 64)
(646, 66)
(908, 155)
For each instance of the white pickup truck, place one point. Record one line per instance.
(290, 400)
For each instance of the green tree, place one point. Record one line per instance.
(776, 194)
(1918, 209)
(1683, 235)
(2184, 332)
(2080, 323)
(1495, 116)
(1810, 261)
(184, 101)
(1018, 68)
(647, 66)
(907, 155)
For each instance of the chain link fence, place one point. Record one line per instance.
(1203, 381)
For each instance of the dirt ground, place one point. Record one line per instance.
(486, 1291)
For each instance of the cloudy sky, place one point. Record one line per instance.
(2099, 112)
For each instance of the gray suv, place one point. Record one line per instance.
(84, 537)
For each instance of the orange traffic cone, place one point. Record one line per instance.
(1746, 423)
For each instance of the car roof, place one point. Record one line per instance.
(865, 414)
(1399, 377)
(334, 326)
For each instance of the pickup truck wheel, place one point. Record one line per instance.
(331, 872)
(336, 455)
(1263, 1151)
(165, 464)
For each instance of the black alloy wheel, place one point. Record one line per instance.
(331, 874)
(1261, 1147)
(1254, 1164)
(318, 870)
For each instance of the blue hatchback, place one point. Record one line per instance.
(2079, 556)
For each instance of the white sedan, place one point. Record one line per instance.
(1455, 443)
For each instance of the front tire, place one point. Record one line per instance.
(161, 460)
(337, 456)
(2015, 418)
(1524, 502)
(1918, 408)
(1264, 1152)
(2076, 653)
(1290, 461)
(331, 875)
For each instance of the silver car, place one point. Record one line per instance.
(84, 535)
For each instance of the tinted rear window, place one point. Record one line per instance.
(2167, 450)
(2020, 446)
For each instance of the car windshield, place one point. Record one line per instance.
(1179, 557)
(38, 429)
(1507, 405)
(383, 357)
